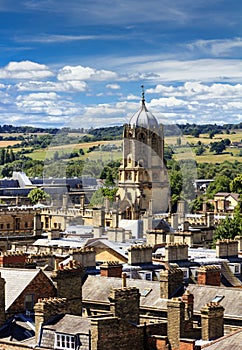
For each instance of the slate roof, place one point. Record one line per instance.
(16, 281)
(71, 324)
(232, 301)
(97, 289)
(232, 341)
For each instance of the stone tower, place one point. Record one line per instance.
(143, 180)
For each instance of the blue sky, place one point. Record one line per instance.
(80, 63)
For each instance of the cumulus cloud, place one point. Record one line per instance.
(66, 86)
(113, 86)
(84, 73)
(25, 70)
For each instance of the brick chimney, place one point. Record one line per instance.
(170, 281)
(212, 321)
(188, 300)
(175, 322)
(111, 269)
(47, 308)
(209, 275)
(13, 259)
(68, 281)
(124, 303)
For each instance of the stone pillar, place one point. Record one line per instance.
(124, 303)
(175, 322)
(37, 224)
(212, 321)
(69, 286)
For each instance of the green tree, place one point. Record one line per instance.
(217, 147)
(221, 183)
(236, 184)
(228, 228)
(38, 195)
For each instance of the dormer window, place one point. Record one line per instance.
(64, 341)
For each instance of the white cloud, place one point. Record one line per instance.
(84, 73)
(66, 86)
(113, 86)
(25, 70)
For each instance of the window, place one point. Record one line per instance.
(29, 302)
(1, 226)
(217, 298)
(63, 341)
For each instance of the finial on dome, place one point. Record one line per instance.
(143, 93)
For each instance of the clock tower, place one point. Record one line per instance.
(143, 180)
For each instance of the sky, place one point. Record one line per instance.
(81, 63)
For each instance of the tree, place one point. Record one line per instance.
(221, 183)
(217, 147)
(228, 228)
(236, 184)
(38, 195)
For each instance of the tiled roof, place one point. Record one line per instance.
(16, 281)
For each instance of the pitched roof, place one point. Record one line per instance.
(16, 281)
(97, 289)
(70, 324)
(232, 341)
(232, 298)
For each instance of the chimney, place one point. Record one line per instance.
(45, 309)
(170, 282)
(140, 254)
(111, 269)
(124, 304)
(209, 275)
(124, 280)
(13, 259)
(175, 321)
(2, 300)
(227, 248)
(212, 321)
(68, 281)
(176, 252)
(188, 300)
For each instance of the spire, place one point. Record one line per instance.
(143, 94)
